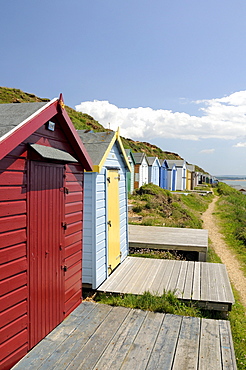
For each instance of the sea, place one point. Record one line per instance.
(237, 183)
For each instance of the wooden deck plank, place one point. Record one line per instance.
(169, 238)
(181, 280)
(122, 338)
(165, 345)
(210, 354)
(64, 354)
(186, 356)
(188, 288)
(227, 348)
(50, 344)
(196, 293)
(140, 350)
(117, 349)
(202, 282)
(172, 284)
(89, 354)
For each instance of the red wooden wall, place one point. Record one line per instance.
(14, 235)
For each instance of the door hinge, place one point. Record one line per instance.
(64, 225)
(66, 190)
(109, 223)
(108, 179)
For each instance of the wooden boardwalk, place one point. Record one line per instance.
(169, 238)
(97, 336)
(202, 282)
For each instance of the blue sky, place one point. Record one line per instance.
(168, 72)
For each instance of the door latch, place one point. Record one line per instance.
(64, 268)
(109, 223)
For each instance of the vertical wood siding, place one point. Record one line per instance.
(14, 335)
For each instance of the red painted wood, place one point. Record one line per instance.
(70, 261)
(72, 249)
(73, 228)
(74, 217)
(13, 237)
(13, 344)
(12, 164)
(73, 197)
(72, 303)
(11, 360)
(13, 313)
(13, 268)
(12, 178)
(12, 193)
(46, 236)
(73, 290)
(75, 177)
(73, 207)
(74, 269)
(72, 281)
(14, 327)
(12, 223)
(71, 239)
(73, 186)
(12, 208)
(13, 283)
(9, 300)
(12, 253)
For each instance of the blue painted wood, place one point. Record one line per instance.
(95, 220)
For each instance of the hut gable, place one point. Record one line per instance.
(110, 165)
(141, 169)
(180, 173)
(153, 170)
(130, 175)
(41, 203)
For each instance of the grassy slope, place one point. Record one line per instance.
(160, 207)
(83, 121)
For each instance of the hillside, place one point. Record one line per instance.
(83, 121)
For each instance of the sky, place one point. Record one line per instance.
(169, 72)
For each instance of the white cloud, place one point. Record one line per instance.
(223, 118)
(240, 145)
(207, 151)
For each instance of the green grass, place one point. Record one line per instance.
(167, 303)
(231, 212)
(160, 207)
(237, 318)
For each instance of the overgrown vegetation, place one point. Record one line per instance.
(165, 303)
(160, 207)
(232, 215)
(84, 121)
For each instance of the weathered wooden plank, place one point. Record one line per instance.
(164, 280)
(227, 348)
(181, 279)
(164, 348)
(119, 346)
(196, 292)
(186, 356)
(189, 281)
(140, 350)
(226, 285)
(149, 276)
(162, 271)
(90, 353)
(172, 284)
(169, 238)
(204, 282)
(209, 354)
(65, 352)
(47, 351)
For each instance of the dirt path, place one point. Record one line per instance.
(227, 257)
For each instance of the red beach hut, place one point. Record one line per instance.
(42, 163)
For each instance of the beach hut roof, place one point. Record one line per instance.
(99, 144)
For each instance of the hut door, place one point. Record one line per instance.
(46, 276)
(113, 220)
